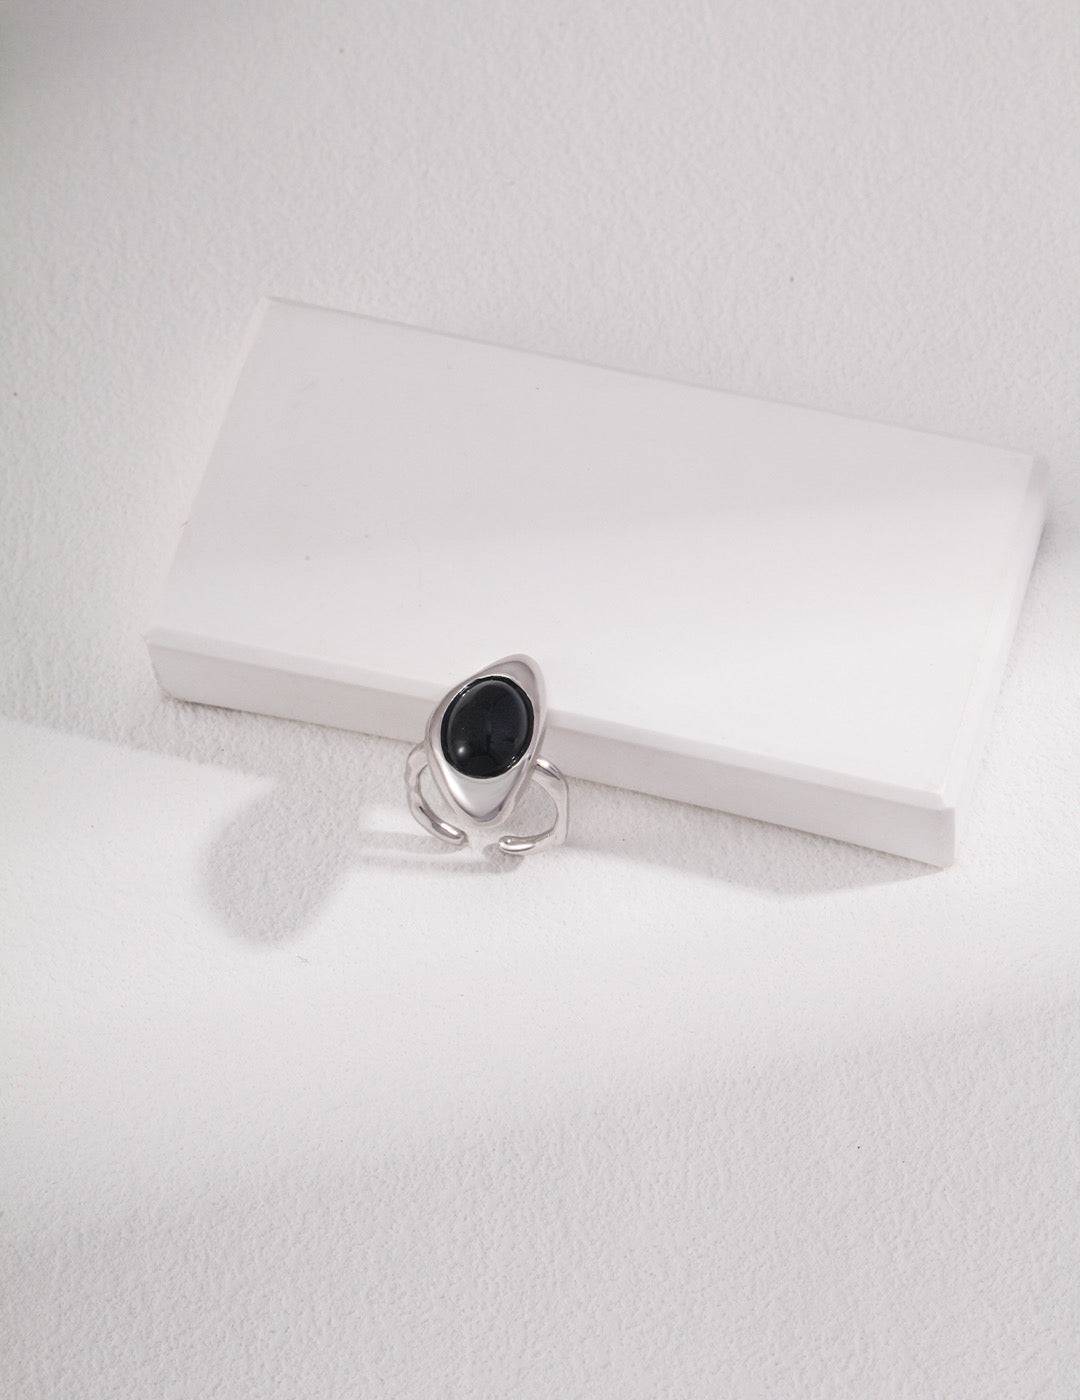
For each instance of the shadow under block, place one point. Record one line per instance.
(781, 613)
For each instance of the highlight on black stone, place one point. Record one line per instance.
(487, 727)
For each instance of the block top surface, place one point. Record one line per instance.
(711, 572)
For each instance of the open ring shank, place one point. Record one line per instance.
(544, 774)
(415, 765)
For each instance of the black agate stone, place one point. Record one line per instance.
(487, 727)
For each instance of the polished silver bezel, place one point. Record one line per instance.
(488, 799)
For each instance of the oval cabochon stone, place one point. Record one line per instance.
(487, 727)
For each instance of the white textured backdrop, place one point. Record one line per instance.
(294, 1107)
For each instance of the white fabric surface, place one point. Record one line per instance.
(293, 1105)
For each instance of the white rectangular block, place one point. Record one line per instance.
(777, 612)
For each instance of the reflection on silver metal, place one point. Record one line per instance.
(489, 800)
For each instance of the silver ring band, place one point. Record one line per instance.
(482, 746)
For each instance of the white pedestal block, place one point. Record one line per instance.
(776, 612)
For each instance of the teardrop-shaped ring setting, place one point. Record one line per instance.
(482, 747)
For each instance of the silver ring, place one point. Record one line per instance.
(482, 747)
